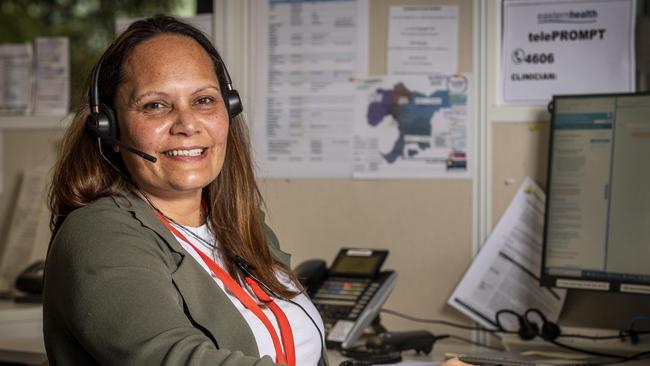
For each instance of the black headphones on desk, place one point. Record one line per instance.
(529, 329)
(102, 124)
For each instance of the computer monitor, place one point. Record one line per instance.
(597, 219)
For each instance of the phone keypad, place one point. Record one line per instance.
(344, 298)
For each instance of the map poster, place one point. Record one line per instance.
(413, 127)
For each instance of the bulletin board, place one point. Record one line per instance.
(427, 225)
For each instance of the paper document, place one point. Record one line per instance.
(505, 273)
(52, 95)
(422, 39)
(29, 236)
(307, 54)
(15, 78)
(566, 47)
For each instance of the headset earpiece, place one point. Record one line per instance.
(230, 96)
(550, 331)
(527, 329)
(102, 124)
(233, 102)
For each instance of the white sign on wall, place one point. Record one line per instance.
(566, 47)
(422, 39)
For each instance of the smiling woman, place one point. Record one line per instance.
(160, 251)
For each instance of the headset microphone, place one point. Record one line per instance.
(133, 150)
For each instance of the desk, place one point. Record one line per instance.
(441, 348)
(21, 333)
(438, 354)
(21, 339)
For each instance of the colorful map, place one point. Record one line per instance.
(412, 128)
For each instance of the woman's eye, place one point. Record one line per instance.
(153, 106)
(204, 100)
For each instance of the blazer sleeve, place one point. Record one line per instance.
(108, 283)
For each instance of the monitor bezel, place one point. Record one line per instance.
(569, 282)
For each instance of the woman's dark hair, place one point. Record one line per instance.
(82, 175)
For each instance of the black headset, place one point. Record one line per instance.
(529, 329)
(102, 124)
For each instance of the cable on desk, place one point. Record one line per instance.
(621, 335)
(634, 334)
(620, 358)
(449, 324)
(444, 322)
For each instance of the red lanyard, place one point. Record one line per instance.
(285, 328)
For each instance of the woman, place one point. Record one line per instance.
(120, 287)
(159, 254)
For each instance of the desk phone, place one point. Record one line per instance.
(349, 294)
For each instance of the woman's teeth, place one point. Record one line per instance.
(192, 152)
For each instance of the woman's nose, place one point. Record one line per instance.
(186, 122)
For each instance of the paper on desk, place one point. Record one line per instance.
(505, 273)
(29, 233)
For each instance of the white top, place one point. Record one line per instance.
(306, 339)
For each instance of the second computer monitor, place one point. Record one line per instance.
(597, 225)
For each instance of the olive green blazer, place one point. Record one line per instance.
(120, 290)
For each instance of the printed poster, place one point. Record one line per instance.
(568, 47)
(308, 52)
(413, 127)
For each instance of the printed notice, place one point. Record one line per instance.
(568, 47)
(505, 273)
(52, 95)
(423, 39)
(307, 56)
(15, 78)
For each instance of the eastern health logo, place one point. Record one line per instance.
(568, 17)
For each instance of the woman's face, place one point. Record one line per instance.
(170, 106)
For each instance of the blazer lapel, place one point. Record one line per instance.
(210, 307)
(207, 304)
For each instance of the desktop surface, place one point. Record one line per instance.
(21, 333)
(479, 356)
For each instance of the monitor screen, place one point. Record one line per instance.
(597, 224)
